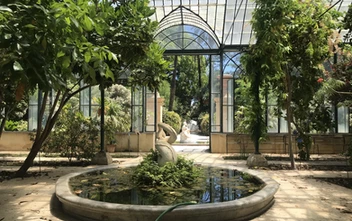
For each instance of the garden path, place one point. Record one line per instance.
(300, 197)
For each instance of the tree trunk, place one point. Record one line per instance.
(21, 172)
(2, 125)
(257, 130)
(41, 135)
(289, 119)
(173, 86)
(200, 84)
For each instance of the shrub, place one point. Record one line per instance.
(204, 124)
(74, 136)
(150, 174)
(20, 125)
(173, 119)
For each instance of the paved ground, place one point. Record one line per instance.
(300, 197)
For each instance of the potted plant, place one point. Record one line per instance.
(116, 120)
(110, 134)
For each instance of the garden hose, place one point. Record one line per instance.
(172, 208)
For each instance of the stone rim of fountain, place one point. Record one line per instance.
(241, 209)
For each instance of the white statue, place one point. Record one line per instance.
(185, 135)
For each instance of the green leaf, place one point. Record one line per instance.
(29, 26)
(66, 62)
(99, 30)
(87, 56)
(88, 23)
(114, 56)
(74, 54)
(44, 43)
(8, 36)
(109, 74)
(17, 66)
(5, 8)
(74, 21)
(60, 54)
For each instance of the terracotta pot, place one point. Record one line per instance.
(110, 148)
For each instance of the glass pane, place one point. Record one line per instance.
(215, 113)
(150, 118)
(137, 125)
(215, 74)
(33, 112)
(273, 126)
(228, 119)
(228, 90)
(342, 120)
(283, 123)
(85, 110)
(137, 110)
(84, 102)
(138, 97)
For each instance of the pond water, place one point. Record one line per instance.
(115, 186)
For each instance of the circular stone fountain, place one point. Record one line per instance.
(241, 209)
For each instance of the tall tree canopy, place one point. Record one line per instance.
(292, 44)
(189, 86)
(48, 44)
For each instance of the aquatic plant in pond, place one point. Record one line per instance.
(116, 186)
(149, 173)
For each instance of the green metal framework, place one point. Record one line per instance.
(208, 26)
(220, 29)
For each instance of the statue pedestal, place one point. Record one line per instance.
(102, 158)
(256, 160)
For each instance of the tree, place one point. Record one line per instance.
(50, 45)
(291, 46)
(337, 80)
(187, 86)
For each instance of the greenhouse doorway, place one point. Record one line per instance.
(186, 99)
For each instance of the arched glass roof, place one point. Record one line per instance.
(193, 25)
(183, 29)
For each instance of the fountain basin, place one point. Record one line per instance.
(241, 209)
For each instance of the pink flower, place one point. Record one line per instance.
(320, 80)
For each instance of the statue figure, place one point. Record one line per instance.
(163, 144)
(185, 135)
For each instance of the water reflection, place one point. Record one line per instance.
(114, 186)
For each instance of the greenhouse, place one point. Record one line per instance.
(219, 31)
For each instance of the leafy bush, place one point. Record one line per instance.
(10, 125)
(73, 136)
(204, 124)
(150, 174)
(173, 119)
(20, 125)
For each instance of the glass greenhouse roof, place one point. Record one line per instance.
(208, 24)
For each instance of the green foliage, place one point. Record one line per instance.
(84, 42)
(116, 120)
(10, 125)
(304, 144)
(287, 58)
(204, 123)
(173, 119)
(74, 136)
(191, 86)
(16, 125)
(337, 83)
(164, 91)
(150, 174)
